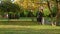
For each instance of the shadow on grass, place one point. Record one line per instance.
(18, 23)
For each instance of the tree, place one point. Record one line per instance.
(58, 13)
(9, 7)
(52, 5)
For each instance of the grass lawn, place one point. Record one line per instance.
(31, 29)
(15, 27)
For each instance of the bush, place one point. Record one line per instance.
(13, 16)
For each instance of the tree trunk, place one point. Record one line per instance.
(58, 14)
(52, 22)
(58, 18)
(51, 13)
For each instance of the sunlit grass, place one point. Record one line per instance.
(31, 26)
(27, 28)
(37, 29)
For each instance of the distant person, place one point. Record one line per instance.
(39, 17)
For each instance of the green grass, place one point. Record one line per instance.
(27, 27)
(36, 29)
(18, 23)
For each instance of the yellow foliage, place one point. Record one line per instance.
(29, 4)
